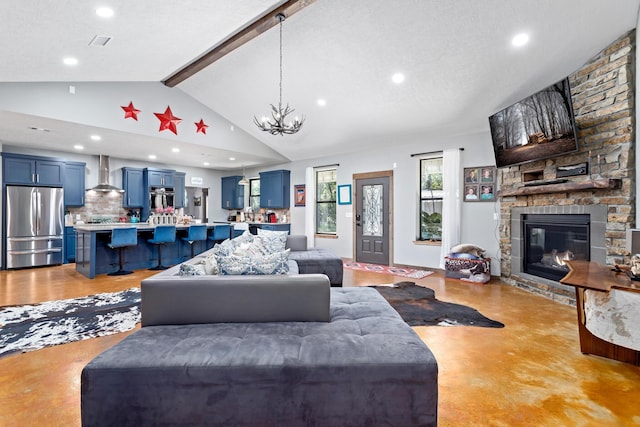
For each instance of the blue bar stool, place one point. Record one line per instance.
(220, 233)
(196, 233)
(120, 239)
(162, 234)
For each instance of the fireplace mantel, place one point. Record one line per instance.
(598, 184)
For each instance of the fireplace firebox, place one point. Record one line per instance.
(550, 240)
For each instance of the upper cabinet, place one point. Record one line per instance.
(74, 183)
(275, 189)
(160, 177)
(32, 170)
(178, 188)
(133, 185)
(232, 193)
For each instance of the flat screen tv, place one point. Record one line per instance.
(538, 127)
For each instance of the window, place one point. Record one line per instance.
(431, 196)
(254, 194)
(326, 201)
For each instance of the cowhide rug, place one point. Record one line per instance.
(31, 327)
(418, 306)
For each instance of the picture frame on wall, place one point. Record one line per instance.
(480, 184)
(344, 194)
(300, 195)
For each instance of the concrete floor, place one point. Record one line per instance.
(529, 373)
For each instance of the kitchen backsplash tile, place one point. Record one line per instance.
(100, 204)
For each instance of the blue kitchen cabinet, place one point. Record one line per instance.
(69, 244)
(74, 183)
(275, 189)
(160, 177)
(179, 189)
(32, 170)
(232, 193)
(133, 185)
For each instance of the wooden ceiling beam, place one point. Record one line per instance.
(234, 41)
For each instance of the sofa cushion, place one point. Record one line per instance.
(171, 300)
(297, 242)
(187, 269)
(210, 263)
(276, 263)
(274, 241)
(322, 261)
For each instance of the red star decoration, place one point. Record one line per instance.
(168, 121)
(201, 127)
(130, 112)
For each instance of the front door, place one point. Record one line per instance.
(373, 218)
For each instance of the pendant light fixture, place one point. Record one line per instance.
(243, 180)
(278, 124)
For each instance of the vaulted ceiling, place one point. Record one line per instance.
(457, 58)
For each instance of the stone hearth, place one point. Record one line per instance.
(604, 108)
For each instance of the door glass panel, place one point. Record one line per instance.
(372, 210)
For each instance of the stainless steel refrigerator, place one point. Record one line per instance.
(35, 226)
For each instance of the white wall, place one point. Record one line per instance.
(478, 223)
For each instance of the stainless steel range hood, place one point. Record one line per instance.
(103, 177)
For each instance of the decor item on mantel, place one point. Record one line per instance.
(278, 126)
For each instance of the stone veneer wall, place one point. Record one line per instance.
(604, 109)
(100, 204)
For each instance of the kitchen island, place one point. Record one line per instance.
(94, 257)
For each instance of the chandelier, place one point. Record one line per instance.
(278, 124)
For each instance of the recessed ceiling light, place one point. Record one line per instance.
(232, 128)
(175, 150)
(70, 61)
(520, 39)
(95, 137)
(322, 102)
(206, 163)
(78, 147)
(104, 12)
(152, 156)
(397, 78)
(232, 158)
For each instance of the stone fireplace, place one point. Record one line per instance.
(585, 214)
(549, 241)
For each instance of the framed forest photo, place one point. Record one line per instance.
(480, 184)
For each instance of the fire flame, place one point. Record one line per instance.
(563, 257)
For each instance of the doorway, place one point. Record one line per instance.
(373, 217)
(195, 203)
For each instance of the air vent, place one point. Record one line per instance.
(100, 41)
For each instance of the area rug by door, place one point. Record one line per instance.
(31, 327)
(418, 306)
(397, 271)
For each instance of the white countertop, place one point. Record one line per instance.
(138, 225)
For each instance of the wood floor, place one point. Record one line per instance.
(529, 373)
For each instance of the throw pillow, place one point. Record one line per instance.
(225, 248)
(274, 241)
(211, 265)
(253, 249)
(276, 263)
(245, 237)
(467, 248)
(191, 270)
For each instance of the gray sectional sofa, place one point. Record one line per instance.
(315, 260)
(262, 351)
